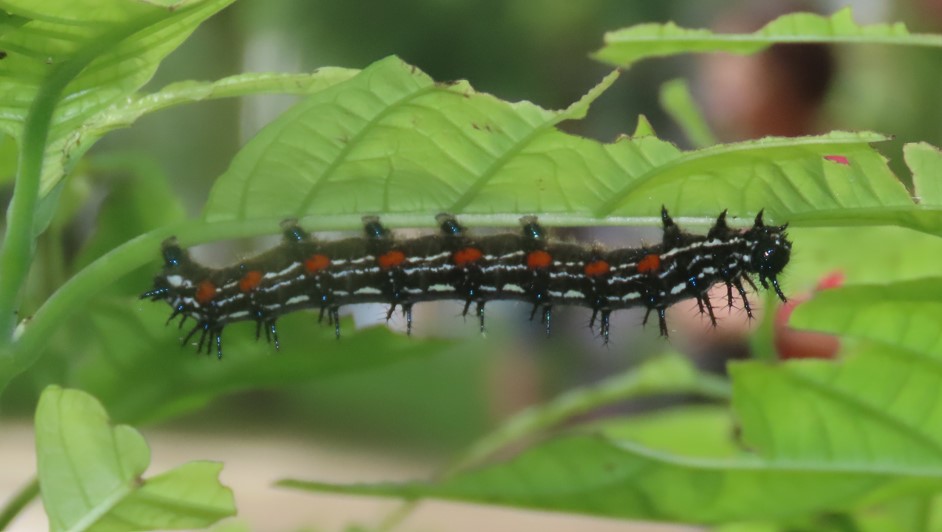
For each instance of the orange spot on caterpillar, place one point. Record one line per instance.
(391, 259)
(650, 263)
(466, 256)
(596, 268)
(316, 263)
(539, 259)
(250, 280)
(205, 292)
(839, 159)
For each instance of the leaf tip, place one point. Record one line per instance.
(644, 128)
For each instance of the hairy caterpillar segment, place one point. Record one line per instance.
(306, 273)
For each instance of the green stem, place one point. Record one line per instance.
(16, 254)
(19, 501)
(675, 98)
(18, 244)
(73, 295)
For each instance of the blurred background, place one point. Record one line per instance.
(403, 420)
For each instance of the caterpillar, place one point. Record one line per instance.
(307, 273)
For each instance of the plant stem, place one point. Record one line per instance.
(16, 255)
(18, 244)
(19, 501)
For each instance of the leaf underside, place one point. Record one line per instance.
(391, 141)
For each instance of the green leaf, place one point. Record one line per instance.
(902, 254)
(101, 51)
(627, 46)
(125, 113)
(925, 161)
(818, 436)
(676, 99)
(902, 314)
(829, 415)
(602, 477)
(90, 474)
(391, 141)
(643, 128)
(668, 431)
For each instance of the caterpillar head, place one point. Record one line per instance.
(174, 284)
(769, 252)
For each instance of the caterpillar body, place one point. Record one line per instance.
(307, 273)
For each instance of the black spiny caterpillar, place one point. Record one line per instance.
(306, 273)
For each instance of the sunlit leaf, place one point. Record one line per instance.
(626, 46)
(90, 474)
(391, 141)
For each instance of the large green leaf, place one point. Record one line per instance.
(626, 46)
(393, 142)
(93, 53)
(90, 474)
(817, 436)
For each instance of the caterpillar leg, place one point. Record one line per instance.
(547, 317)
(742, 294)
(661, 319)
(271, 334)
(407, 312)
(333, 318)
(605, 325)
(703, 302)
(478, 311)
(774, 280)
